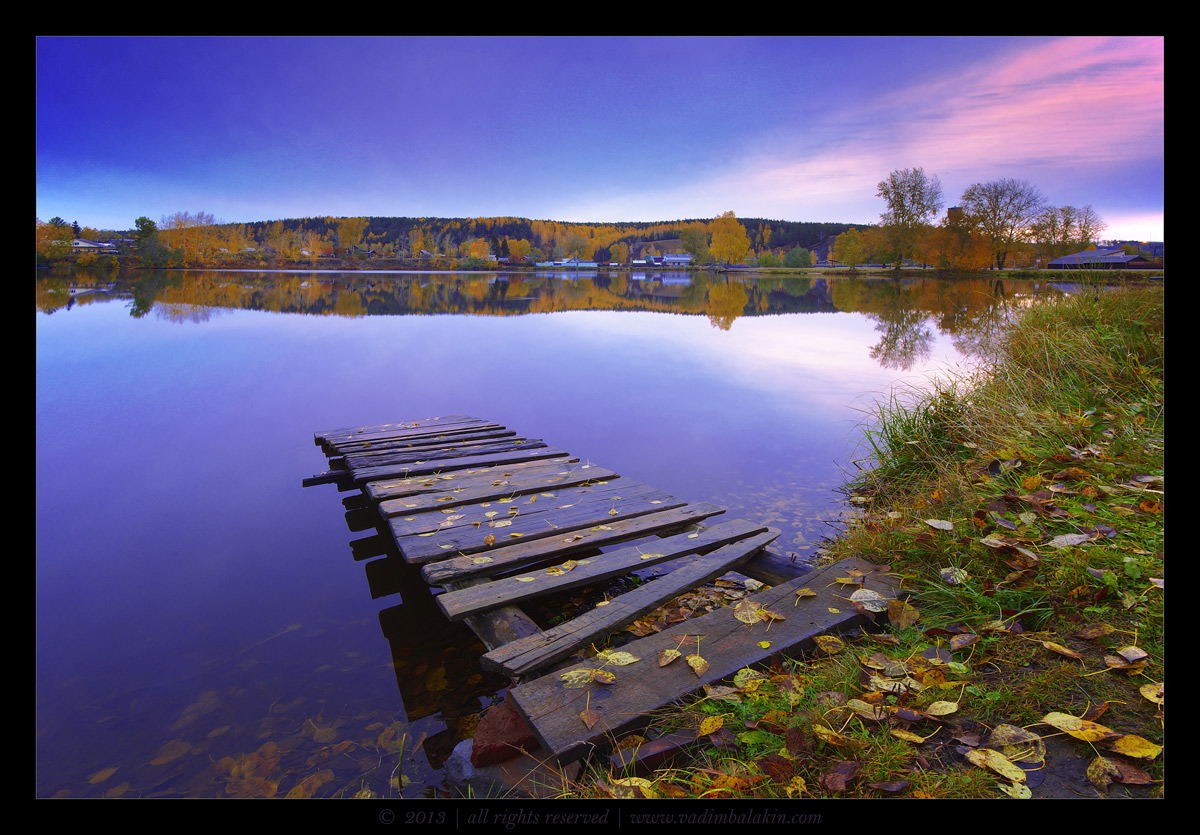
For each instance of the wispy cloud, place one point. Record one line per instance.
(1046, 112)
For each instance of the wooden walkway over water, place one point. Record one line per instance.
(495, 520)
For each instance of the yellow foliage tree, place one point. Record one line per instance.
(729, 241)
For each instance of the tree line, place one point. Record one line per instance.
(196, 240)
(1005, 221)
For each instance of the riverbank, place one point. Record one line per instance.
(1023, 510)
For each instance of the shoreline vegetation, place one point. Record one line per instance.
(1023, 510)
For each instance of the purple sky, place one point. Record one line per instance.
(590, 129)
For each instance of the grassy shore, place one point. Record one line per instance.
(1023, 509)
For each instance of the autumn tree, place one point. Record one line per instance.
(848, 248)
(1004, 211)
(695, 242)
(53, 239)
(350, 231)
(913, 198)
(619, 253)
(729, 240)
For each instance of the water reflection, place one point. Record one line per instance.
(906, 310)
(197, 628)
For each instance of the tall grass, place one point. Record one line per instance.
(1046, 368)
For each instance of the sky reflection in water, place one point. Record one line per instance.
(188, 589)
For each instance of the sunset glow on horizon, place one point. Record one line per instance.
(590, 129)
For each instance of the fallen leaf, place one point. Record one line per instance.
(711, 724)
(698, 664)
(1080, 728)
(619, 658)
(1134, 746)
(589, 717)
(666, 656)
(997, 762)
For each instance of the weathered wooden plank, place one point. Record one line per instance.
(556, 522)
(444, 464)
(517, 588)
(356, 453)
(441, 449)
(441, 453)
(419, 437)
(506, 511)
(726, 643)
(333, 437)
(496, 487)
(521, 553)
(449, 481)
(537, 651)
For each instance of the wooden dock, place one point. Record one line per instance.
(495, 520)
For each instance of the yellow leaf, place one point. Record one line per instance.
(1153, 692)
(997, 762)
(482, 560)
(526, 579)
(667, 656)
(1018, 790)
(711, 724)
(1080, 728)
(699, 665)
(829, 643)
(764, 644)
(940, 709)
(621, 659)
(1135, 746)
(1061, 650)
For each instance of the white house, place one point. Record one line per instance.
(80, 245)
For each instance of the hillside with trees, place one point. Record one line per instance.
(198, 240)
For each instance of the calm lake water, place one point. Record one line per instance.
(206, 627)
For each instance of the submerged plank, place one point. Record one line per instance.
(726, 643)
(477, 598)
(537, 651)
(517, 554)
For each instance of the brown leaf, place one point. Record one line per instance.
(840, 775)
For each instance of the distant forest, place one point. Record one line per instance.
(450, 235)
